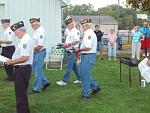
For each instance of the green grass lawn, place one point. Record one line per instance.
(115, 97)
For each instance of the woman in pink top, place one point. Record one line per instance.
(112, 44)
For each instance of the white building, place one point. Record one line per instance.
(49, 11)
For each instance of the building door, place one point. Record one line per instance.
(2, 15)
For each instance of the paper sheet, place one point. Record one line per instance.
(144, 69)
(3, 59)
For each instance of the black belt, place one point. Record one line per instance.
(88, 53)
(21, 66)
(39, 51)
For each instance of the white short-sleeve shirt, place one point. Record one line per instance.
(9, 35)
(66, 31)
(89, 41)
(24, 48)
(39, 37)
(73, 35)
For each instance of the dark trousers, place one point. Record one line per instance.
(22, 77)
(8, 52)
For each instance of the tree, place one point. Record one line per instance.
(143, 5)
(79, 10)
(126, 15)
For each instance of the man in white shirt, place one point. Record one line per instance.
(72, 42)
(22, 60)
(88, 57)
(39, 38)
(8, 47)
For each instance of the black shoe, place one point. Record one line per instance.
(85, 97)
(45, 86)
(94, 92)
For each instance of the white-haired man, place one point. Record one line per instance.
(22, 60)
(88, 57)
(39, 39)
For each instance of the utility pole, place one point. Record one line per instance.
(118, 9)
(118, 14)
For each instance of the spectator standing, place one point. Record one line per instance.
(99, 36)
(136, 42)
(145, 43)
(112, 44)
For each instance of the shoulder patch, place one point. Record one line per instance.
(78, 33)
(9, 33)
(24, 46)
(41, 36)
(89, 37)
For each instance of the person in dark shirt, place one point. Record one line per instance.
(99, 35)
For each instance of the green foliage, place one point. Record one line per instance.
(127, 17)
(115, 96)
(79, 10)
(143, 5)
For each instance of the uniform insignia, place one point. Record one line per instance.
(9, 33)
(78, 33)
(41, 36)
(24, 46)
(89, 37)
(14, 27)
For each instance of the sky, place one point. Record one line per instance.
(98, 3)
